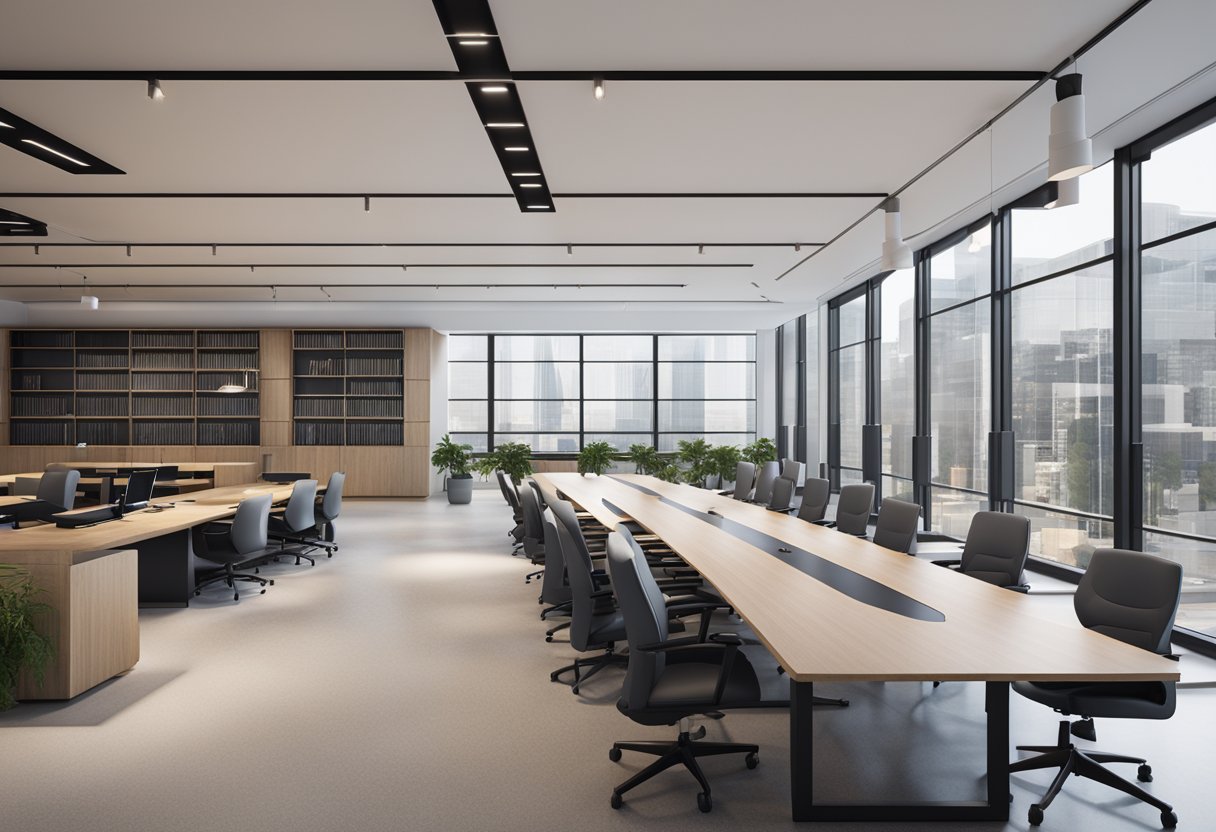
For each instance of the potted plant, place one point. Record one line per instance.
(723, 462)
(514, 459)
(21, 646)
(595, 458)
(453, 458)
(645, 459)
(668, 471)
(761, 451)
(695, 454)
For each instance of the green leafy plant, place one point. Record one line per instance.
(761, 451)
(21, 646)
(595, 458)
(695, 454)
(514, 459)
(668, 472)
(452, 458)
(723, 461)
(645, 459)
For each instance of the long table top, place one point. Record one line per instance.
(821, 633)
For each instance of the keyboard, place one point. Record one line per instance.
(86, 518)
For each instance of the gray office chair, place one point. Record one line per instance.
(325, 512)
(669, 680)
(511, 495)
(853, 509)
(791, 469)
(764, 482)
(782, 498)
(554, 585)
(996, 550)
(745, 477)
(897, 524)
(534, 531)
(231, 546)
(24, 486)
(1133, 597)
(816, 494)
(56, 492)
(295, 521)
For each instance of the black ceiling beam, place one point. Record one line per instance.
(145, 75)
(43, 145)
(69, 266)
(409, 245)
(13, 224)
(360, 196)
(210, 285)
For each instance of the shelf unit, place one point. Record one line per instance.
(133, 387)
(348, 387)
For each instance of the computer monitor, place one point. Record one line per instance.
(139, 490)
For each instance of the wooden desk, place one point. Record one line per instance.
(830, 610)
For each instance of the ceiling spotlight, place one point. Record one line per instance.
(472, 42)
(529, 184)
(517, 149)
(128, 251)
(1070, 152)
(41, 146)
(700, 249)
(570, 250)
(494, 89)
(895, 252)
(154, 91)
(87, 301)
(504, 124)
(797, 246)
(599, 89)
(1068, 192)
(529, 173)
(367, 204)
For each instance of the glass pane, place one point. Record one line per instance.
(535, 416)
(467, 381)
(618, 416)
(813, 452)
(619, 381)
(542, 443)
(852, 321)
(962, 272)
(1063, 408)
(789, 374)
(670, 441)
(1178, 383)
(618, 348)
(900, 489)
(621, 442)
(1049, 241)
(1198, 559)
(852, 402)
(707, 348)
(468, 347)
(536, 381)
(536, 348)
(468, 416)
(479, 441)
(898, 371)
(1178, 185)
(1064, 538)
(850, 476)
(707, 381)
(959, 386)
(950, 512)
(707, 416)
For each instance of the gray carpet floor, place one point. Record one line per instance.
(403, 685)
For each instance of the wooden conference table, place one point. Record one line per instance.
(834, 608)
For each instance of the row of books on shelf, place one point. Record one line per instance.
(350, 365)
(111, 338)
(333, 408)
(355, 340)
(177, 432)
(163, 360)
(349, 433)
(227, 360)
(373, 387)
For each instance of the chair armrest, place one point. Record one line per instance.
(827, 524)
(726, 638)
(1022, 588)
(603, 593)
(1174, 657)
(670, 644)
(949, 564)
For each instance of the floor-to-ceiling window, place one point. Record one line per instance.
(847, 412)
(469, 390)
(707, 389)
(618, 389)
(536, 391)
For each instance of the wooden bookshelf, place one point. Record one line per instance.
(348, 387)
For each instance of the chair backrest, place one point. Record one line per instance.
(510, 492)
(1130, 596)
(853, 507)
(897, 524)
(553, 583)
(300, 513)
(577, 558)
(24, 486)
(782, 498)
(745, 478)
(764, 481)
(996, 548)
(331, 503)
(816, 494)
(791, 469)
(645, 616)
(59, 488)
(249, 526)
(534, 528)
(540, 495)
(57, 466)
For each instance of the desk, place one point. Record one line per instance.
(221, 474)
(837, 608)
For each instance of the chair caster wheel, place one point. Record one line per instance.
(1035, 815)
(549, 639)
(236, 597)
(616, 801)
(272, 583)
(1169, 820)
(574, 690)
(752, 760)
(1145, 773)
(704, 803)
(614, 754)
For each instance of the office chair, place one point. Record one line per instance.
(996, 550)
(764, 482)
(1133, 597)
(24, 486)
(791, 469)
(897, 525)
(534, 531)
(670, 680)
(511, 495)
(56, 492)
(782, 498)
(816, 494)
(745, 477)
(231, 546)
(296, 520)
(554, 584)
(852, 509)
(325, 510)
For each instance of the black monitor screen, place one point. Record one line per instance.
(139, 489)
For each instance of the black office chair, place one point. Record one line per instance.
(234, 545)
(56, 492)
(897, 524)
(745, 477)
(297, 519)
(534, 531)
(511, 495)
(1133, 597)
(996, 550)
(554, 584)
(816, 494)
(852, 509)
(765, 479)
(670, 680)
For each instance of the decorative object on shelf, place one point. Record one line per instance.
(595, 458)
(723, 462)
(453, 459)
(22, 647)
(761, 451)
(695, 454)
(235, 388)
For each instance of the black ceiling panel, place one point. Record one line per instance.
(45, 146)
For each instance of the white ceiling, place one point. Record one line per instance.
(357, 137)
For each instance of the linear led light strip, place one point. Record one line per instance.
(56, 152)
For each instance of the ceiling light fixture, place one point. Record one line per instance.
(154, 91)
(473, 42)
(529, 173)
(367, 204)
(13, 222)
(9, 126)
(530, 185)
(700, 249)
(599, 89)
(517, 149)
(539, 207)
(570, 251)
(1070, 152)
(504, 124)
(797, 246)
(1068, 192)
(87, 301)
(495, 89)
(895, 252)
(471, 35)
(41, 146)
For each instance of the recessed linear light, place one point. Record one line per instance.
(471, 35)
(9, 126)
(530, 185)
(504, 124)
(13, 222)
(517, 149)
(494, 89)
(473, 42)
(539, 207)
(525, 174)
(56, 152)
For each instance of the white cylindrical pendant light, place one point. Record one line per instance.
(1069, 149)
(89, 301)
(895, 252)
(1068, 193)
